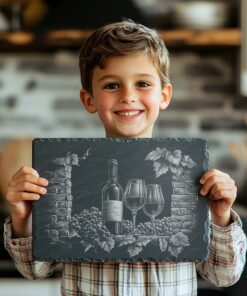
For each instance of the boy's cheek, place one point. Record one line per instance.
(103, 116)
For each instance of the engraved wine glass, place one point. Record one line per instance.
(154, 202)
(135, 197)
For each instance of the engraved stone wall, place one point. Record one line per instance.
(183, 204)
(60, 204)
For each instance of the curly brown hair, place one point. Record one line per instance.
(122, 38)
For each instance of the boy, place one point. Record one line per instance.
(124, 72)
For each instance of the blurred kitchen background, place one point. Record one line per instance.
(40, 83)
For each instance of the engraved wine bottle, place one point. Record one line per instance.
(112, 200)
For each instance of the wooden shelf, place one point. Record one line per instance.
(223, 37)
(74, 38)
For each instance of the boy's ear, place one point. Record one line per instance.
(165, 96)
(88, 101)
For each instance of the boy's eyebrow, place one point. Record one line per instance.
(107, 77)
(116, 76)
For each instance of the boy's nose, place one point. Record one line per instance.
(127, 97)
(127, 100)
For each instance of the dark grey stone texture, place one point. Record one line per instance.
(67, 221)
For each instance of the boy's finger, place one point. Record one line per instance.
(14, 197)
(212, 173)
(28, 196)
(31, 179)
(211, 182)
(25, 170)
(225, 194)
(29, 187)
(222, 186)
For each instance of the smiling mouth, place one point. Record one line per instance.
(129, 114)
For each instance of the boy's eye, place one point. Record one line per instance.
(111, 86)
(142, 84)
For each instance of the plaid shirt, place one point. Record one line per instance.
(223, 268)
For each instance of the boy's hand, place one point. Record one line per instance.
(24, 187)
(222, 193)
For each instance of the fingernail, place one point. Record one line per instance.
(202, 192)
(46, 182)
(202, 181)
(36, 173)
(44, 190)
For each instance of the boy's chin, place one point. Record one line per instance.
(128, 134)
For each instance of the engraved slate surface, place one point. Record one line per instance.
(166, 221)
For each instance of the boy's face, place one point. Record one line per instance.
(127, 95)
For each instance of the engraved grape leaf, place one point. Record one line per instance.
(177, 171)
(163, 244)
(160, 167)
(59, 160)
(174, 157)
(134, 250)
(126, 241)
(165, 160)
(156, 154)
(86, 245)
(187, 161)
(142, 242)
(180, 239)
(175, 250)
(107, 245)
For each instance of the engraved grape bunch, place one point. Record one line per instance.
(89, 225)
(162, 227)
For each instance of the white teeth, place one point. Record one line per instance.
(129, 114)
